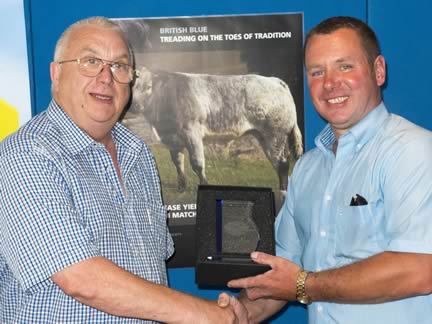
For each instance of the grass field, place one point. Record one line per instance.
(242, 171)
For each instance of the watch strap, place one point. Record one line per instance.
(301, 295)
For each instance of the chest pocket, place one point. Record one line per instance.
(98, 212)
(357, 232)
(146, 222)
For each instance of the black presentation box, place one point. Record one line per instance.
(231, 222)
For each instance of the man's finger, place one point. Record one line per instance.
(242, 282)
(223, 300)
(263, 258)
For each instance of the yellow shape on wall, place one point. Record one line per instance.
(8, 119)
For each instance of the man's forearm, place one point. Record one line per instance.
(101, 284)
(383, 277)
(380, 278)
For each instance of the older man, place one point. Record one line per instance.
(83, 227)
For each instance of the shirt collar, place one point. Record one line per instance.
(361, 132)
(76, 140)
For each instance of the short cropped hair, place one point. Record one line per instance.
(367, 35)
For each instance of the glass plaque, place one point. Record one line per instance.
(236, 230)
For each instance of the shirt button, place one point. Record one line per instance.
(323, 233)
(319, 308)
(328, 197)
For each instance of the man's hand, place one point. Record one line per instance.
(209, 312)
(277, 283)
(225, 300)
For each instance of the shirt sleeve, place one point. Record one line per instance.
(288, 244)
(407, 188)
(40, 229)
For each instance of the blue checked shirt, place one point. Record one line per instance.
(387, 160)
(61, 202)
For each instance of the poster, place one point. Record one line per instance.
(219, 100)
(15, 104)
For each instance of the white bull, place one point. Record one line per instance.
(183, 108)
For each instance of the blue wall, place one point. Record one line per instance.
(402, 27)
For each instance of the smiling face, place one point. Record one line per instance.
(93, 103)
(343, 85)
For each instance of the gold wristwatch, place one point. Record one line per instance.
(301, 295)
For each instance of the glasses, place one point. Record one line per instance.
(93, 66)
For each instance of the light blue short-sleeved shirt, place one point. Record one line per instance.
(61, 202)
(388, 161)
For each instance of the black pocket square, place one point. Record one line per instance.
(358, 200)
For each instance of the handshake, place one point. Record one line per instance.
(237, 308)
(262, 295)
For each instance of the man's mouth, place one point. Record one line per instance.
(102, 97)
(337, 100)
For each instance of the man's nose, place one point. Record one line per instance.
(105, 75)
(331, 81)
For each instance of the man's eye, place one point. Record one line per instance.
(119, 66)
(316, 73)
(92, 61)
(345, 67)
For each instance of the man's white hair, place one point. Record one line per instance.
(63, 41)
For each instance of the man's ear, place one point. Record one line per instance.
(380, 70)
(54, 74)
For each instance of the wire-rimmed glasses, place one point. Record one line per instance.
(92, 66)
